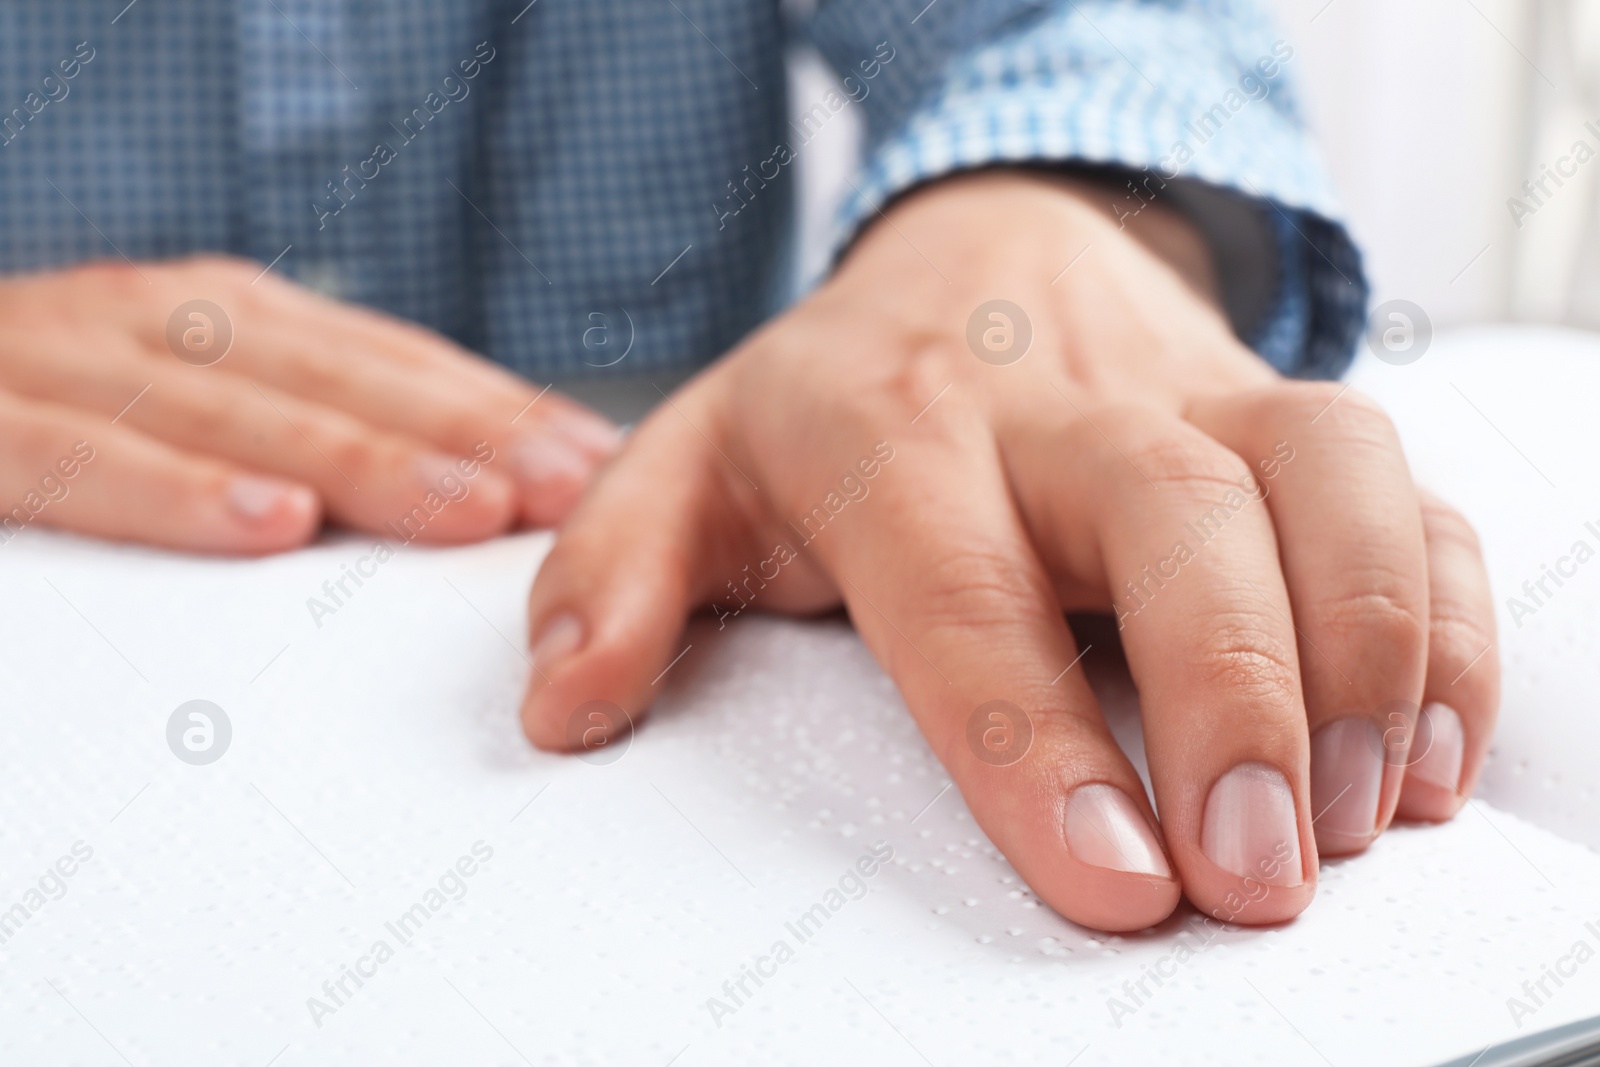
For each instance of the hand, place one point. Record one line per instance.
(1136, 460)
(235, 433)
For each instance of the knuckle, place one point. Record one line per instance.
(1349, 413)
(976, 588)
(1298, 400)
(1445, 525)
(209, 421)
(1243, 655)
(1167, 452)
(347, 449)
(315, 377)
(1457, 634)
(907, 386)
(456, 423)
(1378, 614)
(328, 441)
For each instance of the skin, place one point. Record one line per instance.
(318, 409)
(1020, 491)
(1016, 492)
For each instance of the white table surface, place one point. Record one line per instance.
(370, 754)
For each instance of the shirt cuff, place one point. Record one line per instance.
(1203, 105)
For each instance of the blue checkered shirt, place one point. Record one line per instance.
(502, 171)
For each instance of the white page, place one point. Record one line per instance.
(371, 753)
(1500, 421)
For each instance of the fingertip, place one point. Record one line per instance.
(1349, 762)
(1115, 877)
(451, 507)
(537, 725)
(1096, 859)
(263, 514)
(1117, 902)
(597, 637)
(1100, 875)
(555, 460)
(552, 473)
(1332, 844)
(1425, 802)
(555, 641)
(538, 722)
(1251, 864)
(1432, 789)
(1104, 828)
(1247, 900)
(611, 597)
(589, 431)
(576, 706)
(493, 501)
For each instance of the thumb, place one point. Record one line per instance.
(608, 607)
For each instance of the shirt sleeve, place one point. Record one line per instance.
(1187, 98)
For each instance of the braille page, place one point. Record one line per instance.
(1500, 422)
(353, 856)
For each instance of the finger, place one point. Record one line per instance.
(1462, 695)
(1189, 559)
(385, 372)
(70, 469)
(964, 619)
(412, 381)
(368, 478)
(1350, 539)
(608, 607)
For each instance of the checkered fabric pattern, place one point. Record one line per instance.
(504, 171)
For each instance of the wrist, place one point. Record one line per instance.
(1003, 222)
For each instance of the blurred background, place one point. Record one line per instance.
(1431, 115)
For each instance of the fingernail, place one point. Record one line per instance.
(1440, 765)
(559, 639)
(543, 458)
(588, 432)
(1250, 827)
(255, 499)
(1346, 777)
(1105, 829)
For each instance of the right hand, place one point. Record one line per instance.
(1285, 623)
(317, 407)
